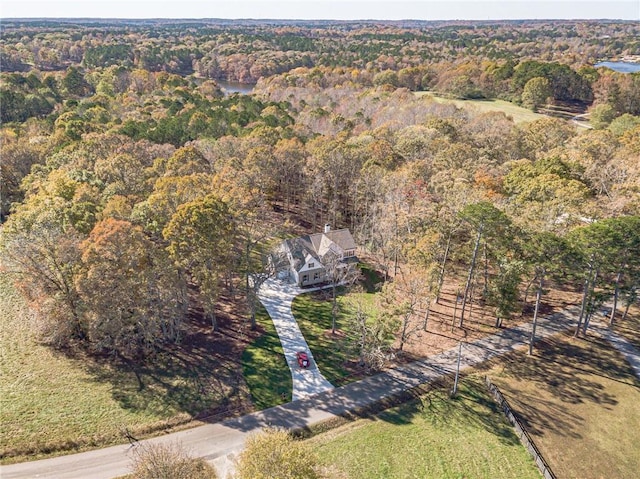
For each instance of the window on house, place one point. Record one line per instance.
(305, 278)
(312, 265)
(315, 276)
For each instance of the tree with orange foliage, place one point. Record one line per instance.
(133, 298)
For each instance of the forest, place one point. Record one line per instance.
(135, 191)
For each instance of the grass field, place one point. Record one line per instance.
(331, 353)
(581, 404)
(50, 402)
(516, 112)
(265, 367)
(434, 437)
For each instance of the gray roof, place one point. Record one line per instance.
(299, 249)
(313, 245)
(342, 238)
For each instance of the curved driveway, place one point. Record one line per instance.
(276, 296)
(219, 443)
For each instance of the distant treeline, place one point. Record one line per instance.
(246, 51)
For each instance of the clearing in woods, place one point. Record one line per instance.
(519, 114)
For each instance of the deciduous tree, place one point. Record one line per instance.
(133, 298)
(371, 333)
(160, 461)
(338, 273)
(201, 236)
(45, 258)
(536, 93)
(406, 300)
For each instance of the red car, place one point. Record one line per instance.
(303, 359)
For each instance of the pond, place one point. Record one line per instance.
(230, 87)
(623, 67)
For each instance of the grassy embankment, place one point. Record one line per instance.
(431, 437)
(52, 403)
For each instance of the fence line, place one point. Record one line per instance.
(521, 432)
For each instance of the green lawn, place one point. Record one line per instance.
(265, 367)
(331, 353)
(434, 437)
(580, 402)
(335, 355)
(50, 402)
(516, 112)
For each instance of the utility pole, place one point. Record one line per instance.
(455, 382)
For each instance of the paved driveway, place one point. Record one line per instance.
(219, 443)
(276, 296)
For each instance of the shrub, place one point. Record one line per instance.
(274, 454)
(169, 461)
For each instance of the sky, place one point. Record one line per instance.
(325, 9)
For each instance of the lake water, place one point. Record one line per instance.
(229, 87)
(623, 67)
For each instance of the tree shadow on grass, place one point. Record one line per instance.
(471, 408)
(332, 353)
(372, 279)
(197, 378)
(566, 368)
(564, 372)
(265, 368)
(540, 415)
(544, 389)
(630, 330)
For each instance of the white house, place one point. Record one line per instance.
(306, 253)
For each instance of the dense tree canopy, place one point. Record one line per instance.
(134, 190)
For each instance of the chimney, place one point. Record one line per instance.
(327, 228)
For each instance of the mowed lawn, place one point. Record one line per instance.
(331, 353)
(433, 437)
(336, 356)
(581, 403)
(519, 114)
(48, 401)
(51, 403)
(265, 367)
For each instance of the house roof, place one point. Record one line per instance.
(342, 238)
(319, 244)
(299, 249)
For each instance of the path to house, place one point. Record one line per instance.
(627, 349)
(219, 443)
(276, 296)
